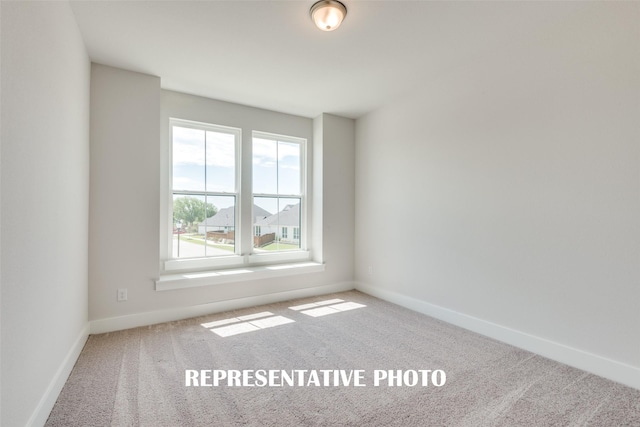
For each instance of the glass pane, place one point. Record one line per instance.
(188, 212)
(188, 159)
(289, 224)
(197, 217)
(219, 229)
(264, 231)
(220, 162)
(265, 166)
(288, 168)
(279, 231)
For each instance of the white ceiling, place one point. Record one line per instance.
(268, 54)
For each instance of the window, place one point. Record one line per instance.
(208, 202)
(278, 183)
(204, 189)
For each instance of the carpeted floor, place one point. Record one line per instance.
(137, 377)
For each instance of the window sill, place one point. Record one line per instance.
(207, 278)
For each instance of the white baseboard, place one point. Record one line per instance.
(598, 365)
(42, 411)
(152, 317)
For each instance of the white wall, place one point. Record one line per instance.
(129, 112)
(125, 169)
(45, 197)
(509, 190)
(338, 190)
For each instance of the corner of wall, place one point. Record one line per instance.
(48, 400)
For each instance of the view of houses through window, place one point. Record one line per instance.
(205, 192)
(277, 192)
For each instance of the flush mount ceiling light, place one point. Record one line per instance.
(328, 14)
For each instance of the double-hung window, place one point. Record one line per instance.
(215, 221)
(278, 191)
(205, 190)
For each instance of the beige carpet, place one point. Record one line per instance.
(137, 377)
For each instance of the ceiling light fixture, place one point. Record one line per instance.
(328, 14)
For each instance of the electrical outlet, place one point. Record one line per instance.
(122, 294)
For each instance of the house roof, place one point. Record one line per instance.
(289, 216)
(226, 217)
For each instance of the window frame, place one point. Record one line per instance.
(242, 256)
(237, 133)
(301, 254)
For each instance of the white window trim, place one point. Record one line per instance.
(223, 267)
(277, 257)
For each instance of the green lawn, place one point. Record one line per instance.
(198, 240)
(279, 247)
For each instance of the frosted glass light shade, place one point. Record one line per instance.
(328, 14)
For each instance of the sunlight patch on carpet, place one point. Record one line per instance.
(316, 304)
(236, 319)
(247, 323)
(332, 309)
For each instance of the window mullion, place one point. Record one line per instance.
(245, 194)
(206, 229)
(278, 192)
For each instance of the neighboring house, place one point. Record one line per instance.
(285, 224)
(224, 220)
